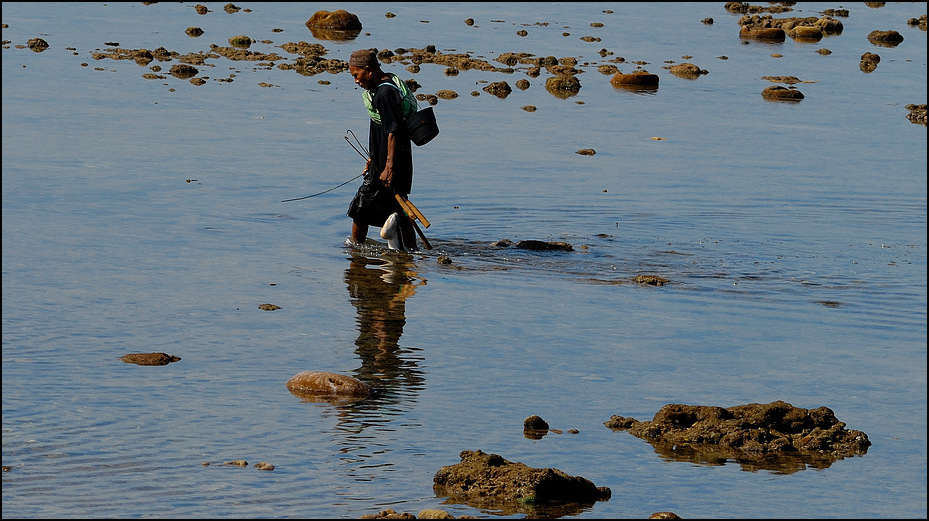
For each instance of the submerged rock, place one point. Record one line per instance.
(885, 38)
(774, 34)
(563, 86)
(806, 33)
(636, 78)
(534, 427)
(490, 481)
(544, 246)
(37, 44)
(500, 89)
(687, 71)
(869, 62)
(242, 41)
(776, 92)
(149, 358)
(183, 71)
(917, 113)
(389, 513)
(651, 280)
(803, 29)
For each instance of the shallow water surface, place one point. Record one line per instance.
(145, 216)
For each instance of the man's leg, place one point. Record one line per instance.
(359, 232)
(408, 234)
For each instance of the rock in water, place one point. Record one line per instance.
(488, 480)
(149, 358)
(328, 387)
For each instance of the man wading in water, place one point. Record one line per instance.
(390, 166)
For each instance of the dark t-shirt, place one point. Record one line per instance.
(387, 101)
(373, 203)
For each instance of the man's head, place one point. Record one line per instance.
(364, 67)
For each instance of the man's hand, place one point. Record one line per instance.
(387, 176)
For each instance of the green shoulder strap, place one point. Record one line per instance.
(408, 107)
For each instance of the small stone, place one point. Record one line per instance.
(652, 280)
(535, 423)
(149, 358)
(778, 93)
(242, 42)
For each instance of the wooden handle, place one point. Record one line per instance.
(419, 215)
(421, 236)
(405, 206)
(411, 210)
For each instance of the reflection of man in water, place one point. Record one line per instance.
(379, 294)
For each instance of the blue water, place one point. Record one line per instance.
(757, 212)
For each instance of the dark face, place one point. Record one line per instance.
(364, 77)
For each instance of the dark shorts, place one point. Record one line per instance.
(373, 204)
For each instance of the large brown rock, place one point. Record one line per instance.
(775, 436)
(804, 29)
(340, 20)
(774, 34)
(563, 86)
(489, 481)
(322, 386)
(806, 33)
(687, 71)
(638, 78)
(885, 38)
(778, 93)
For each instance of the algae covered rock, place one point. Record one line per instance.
(775, 436)
(489, 481)
(778, 93)
(149, 358)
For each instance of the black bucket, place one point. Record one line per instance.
(422, 126)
